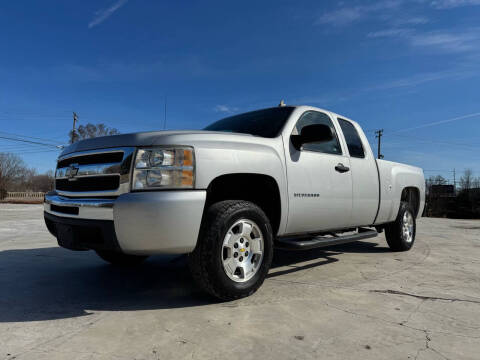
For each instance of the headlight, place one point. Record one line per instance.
(157, 168)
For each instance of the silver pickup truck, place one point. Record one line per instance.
(293, 177)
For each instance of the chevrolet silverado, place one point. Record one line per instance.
(293, 177)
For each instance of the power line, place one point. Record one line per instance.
(470, 147)
(7, 143)
(439, 122)
(27, 141)
(27, 118)
(435, 141)
(29, 137)
(22, 148)
(31, 152)
(436, 170)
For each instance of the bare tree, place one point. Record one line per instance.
(91, 131)
(476, 183)
(466, 181)
(42, 182)
(434, 180)
(440, 180)
(15, 176)
(12, 168)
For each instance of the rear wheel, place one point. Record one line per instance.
(400, 234)
(234, 250)
(120, 259)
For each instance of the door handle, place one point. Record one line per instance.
(341, 168)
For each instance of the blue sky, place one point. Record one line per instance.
(396, 64)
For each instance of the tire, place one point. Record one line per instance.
(120, 259)
(221, 263)
(400, 234)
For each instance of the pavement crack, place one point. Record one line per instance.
(433, 298)
(413, 312)
(427, 346)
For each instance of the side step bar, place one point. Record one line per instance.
(302, 243)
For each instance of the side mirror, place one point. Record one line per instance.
(312, 134)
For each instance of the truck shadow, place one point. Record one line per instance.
(308, 259)
(53, 283)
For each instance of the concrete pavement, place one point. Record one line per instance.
(354, 301)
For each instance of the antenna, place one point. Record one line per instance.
(165, 114)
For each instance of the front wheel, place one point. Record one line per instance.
(234, 250)
(400, 234)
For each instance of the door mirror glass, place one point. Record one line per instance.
(315, 133)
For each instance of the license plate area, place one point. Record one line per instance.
(67, 238)
(70, 210)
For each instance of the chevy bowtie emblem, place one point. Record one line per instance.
(72, 171)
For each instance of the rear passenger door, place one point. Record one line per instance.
(364, 174)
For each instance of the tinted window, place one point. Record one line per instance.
(354, 143)
(266, 123)
(314, 117)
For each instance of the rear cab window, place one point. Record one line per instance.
(354, 143)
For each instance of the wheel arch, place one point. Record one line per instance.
(411, 195)
(262, 190)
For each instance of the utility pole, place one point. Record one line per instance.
(75, 119)
(378, 135)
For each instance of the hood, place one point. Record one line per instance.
(150, 138)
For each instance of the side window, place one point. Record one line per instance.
(354, 143)
(314, 117)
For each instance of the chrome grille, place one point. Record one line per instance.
(96, 158)
(94, 173)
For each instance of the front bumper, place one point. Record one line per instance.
(141, 223)
(82, 234)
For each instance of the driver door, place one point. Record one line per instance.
(319, 186)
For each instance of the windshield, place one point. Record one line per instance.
(266, 123)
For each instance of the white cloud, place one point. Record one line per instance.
(386, 10)
(225, 109)
(419, 79)
(415, 20)
(348, 15)
(395, 32)
(448, 41)
(104, 14)
(448, 4)
(341, 17)
(453, 41)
